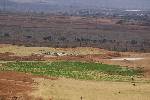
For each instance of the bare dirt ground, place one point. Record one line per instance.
(26, 51)
(15, 86)
(18, 86)
(21, 53)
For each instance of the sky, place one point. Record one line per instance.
(30, 1)
(132, 4)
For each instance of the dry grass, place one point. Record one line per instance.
(68, 89)
(26, 51)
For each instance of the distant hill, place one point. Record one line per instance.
(17, 6)
(65, 5)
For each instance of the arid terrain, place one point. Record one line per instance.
(66, 57)
(21, 86)
(18, 86)
(74, 49)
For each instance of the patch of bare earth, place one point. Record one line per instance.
(16, 86)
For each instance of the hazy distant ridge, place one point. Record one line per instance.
(46, 5)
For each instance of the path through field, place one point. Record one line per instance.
(130, 59)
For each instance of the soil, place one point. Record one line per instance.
(16, 53)
(8, 56)
(18, 86)
(15, 86)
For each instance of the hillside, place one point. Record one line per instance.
(71, 31)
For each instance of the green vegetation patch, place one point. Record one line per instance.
(76, 70)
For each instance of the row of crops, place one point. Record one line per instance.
(76, 70)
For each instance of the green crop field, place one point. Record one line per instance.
(76, 70)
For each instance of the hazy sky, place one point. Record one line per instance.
(97, 3)
(29, 1)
